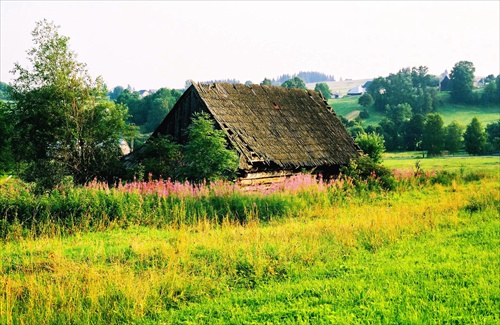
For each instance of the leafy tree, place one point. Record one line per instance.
(474, 137)
(390, 132)
(355, 129)
(5, 90)
(421, 79)
(365, 100)
(433, 137)
(488, 78)
(493, 136)
(132, 101)
(413, 132)
(411, 86)
(295, 82)
(66, 126)
(266, 82)
(206, 156)
(377, 89)
(393, 125)
(324, 89)
(161, 158)
(491, 92)
(399, 114)
(453, 137)
(372, 144)
(148, 112)
(155, 115)
(116, 92)
(6, 135)
(157, 106)
(364, 114)
(462, 82)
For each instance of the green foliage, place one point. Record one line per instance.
(453, 137)
(392, 136)
(148, 112)
(474, 138)
(7, 123)
(306, 76)
(106, 256)
(157, 106)
(413, 132)
(414, 87)
(206, 156)
(116, 92)
(295, 82)
(132, 101)
(354, 128)
(372, 144)
(493, 136)
(448, 111)
(324, 89)
(65, 125)
(368, 174)
(399, 114)
(434, 135)
(266, 82)
(364, 114)
(160, 158)
(491, 92)
(462, 82)
(365, 100)
(5, 90)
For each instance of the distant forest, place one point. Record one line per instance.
(306, 76)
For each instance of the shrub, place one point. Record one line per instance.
(372, 144)
(364, 114)
(443, 177)
(160, 157)
(364, 171)
(206, 156)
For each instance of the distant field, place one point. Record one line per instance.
(408, 161)
(341, 87)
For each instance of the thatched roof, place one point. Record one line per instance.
(271, 125)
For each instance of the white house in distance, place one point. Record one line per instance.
(358, 90)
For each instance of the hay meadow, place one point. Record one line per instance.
(303, 252)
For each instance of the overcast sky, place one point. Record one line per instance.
(164, 43)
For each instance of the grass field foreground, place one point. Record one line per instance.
(424, 253)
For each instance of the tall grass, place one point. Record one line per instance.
(300, 252)
(98, 206)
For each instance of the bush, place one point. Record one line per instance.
(372, 145)
(364, 114)
(365, 172)
(365, 100)
(206, 156)
(160, 158)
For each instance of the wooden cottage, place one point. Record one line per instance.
(276, 131)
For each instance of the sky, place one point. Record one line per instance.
(154, 44)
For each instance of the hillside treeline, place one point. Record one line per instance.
(409, 101)
(306, 76)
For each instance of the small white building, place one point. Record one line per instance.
(358, 90)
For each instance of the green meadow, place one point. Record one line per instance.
(309, 253)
